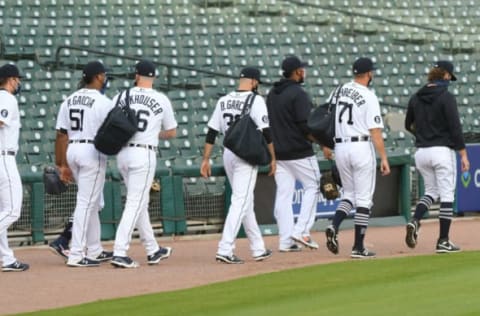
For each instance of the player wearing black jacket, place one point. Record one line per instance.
(432, 116)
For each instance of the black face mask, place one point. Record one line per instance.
(369, 81)
(255, 89)
(104, 86)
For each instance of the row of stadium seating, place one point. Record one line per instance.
(223, 37)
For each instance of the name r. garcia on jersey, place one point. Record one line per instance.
(80, 100)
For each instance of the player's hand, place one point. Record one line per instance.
(205, 169)
(65, 174)
(273, 167)
(384, 167)
(327, 153)
(465, 164)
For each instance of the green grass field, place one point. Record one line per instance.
(423, 285)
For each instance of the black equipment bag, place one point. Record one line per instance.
(245, 140)
(321, 122)
(117, 129)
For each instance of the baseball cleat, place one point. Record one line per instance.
(124, 262)
(59, 247)
(306, 241)
(446, 246)
(17, 266)
(229, 259)
(412, 233)
(292, 248)
(332, 241)
(105, 256)
(263, 256)
(161, 254)
(362, 254)
(85, 262)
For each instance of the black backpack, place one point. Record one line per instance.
(117, 129)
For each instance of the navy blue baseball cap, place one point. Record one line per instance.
(292, 63)
(145, 68)
(447, 66)
(93, 68)
(9, 70)
(362, 65)
(251, 73)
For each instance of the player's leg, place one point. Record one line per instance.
(242, 177)
(11, 195)
(135, 166)
(85, 163)
(254, 235)
(364, 176)
(307, 172)
(283, 212)
(446, 173)
(423, 162)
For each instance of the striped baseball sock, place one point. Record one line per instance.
(422, 207)
(445, 217)
(361, 223)
(343, 209)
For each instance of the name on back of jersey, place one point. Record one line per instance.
(145, 100)
(354, 95)
(232, 104)
(83, 100)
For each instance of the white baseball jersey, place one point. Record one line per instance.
(10, 116)
(357, 111)
(11, 193)
(82, 113)
(242, 175)
(154, 112)
(229, 108)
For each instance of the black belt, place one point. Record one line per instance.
(352, 139)
(80, 141)
(151, 147)
(8, 152)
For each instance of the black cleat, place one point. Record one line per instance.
(412, 233)
(446, 246)
(17, 266)
(161, 254)
(332, 241)
(229, 259)
(263, 256)
(362, 254)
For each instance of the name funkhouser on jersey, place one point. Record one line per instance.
(358, 133)
(11, 192)
(242, 175)
(137, 162)
(78, 120)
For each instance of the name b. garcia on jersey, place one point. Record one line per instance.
(149, 102)
(232, 104)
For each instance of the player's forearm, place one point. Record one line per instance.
(61, 143)
(377, 139)
(170, 133)
(271, 150)
(207, 151)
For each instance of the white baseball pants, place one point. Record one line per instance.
(11, 196)
(88, 168)
(288, 171)
(357, 165)
(137, 167)
(242, 177)
(438, 167)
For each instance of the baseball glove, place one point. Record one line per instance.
(155, 186)
(52, 182)
(328, 186)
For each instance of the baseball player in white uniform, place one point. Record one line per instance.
(11, 192)
(242, 175)
(137, 162)
(78, 120)
(358, 132)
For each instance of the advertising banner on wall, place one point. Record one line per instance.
(468, 183)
